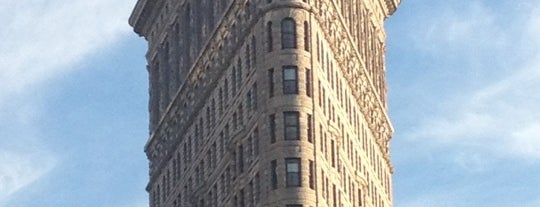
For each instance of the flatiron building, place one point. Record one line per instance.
(274, 103)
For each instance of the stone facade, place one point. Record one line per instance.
(278, 103)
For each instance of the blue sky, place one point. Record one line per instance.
(464, 80)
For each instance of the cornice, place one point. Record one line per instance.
(141, 15)
(391, 6)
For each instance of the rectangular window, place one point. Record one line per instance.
(310, 128)
(254, 50)
(257, 188)
(273, 176)
(290, 80)
(249, 100)
(241, 115)
(333, 153)
(272, 128)
(308, 82)
(239, 73)
(242, 198)
(293, 172)
(291, 125)
(235, 121)
(234, 83)
(334, 195)
(241, 159)
(251, 190)
(271, 82)
(208, 119)
(360, 203)
(254, 96)
(306, 36)
(226, 88)
(256, 142)
(311, 175)
(248, 58)
(270, 39)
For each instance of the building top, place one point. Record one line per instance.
(392, 5)
(141, 13)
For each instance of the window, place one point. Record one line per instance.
(288, 33)
(360, 203)
(293, 172)
(270, 39)
(208, 119)
(234, 78)
(308, 82)
(273, 177)
(290, 80)
(291, 125)
(241, 159)
(311, 175)
(226, 88)
(249, 99)
(272, 128)
(239, 73)
(242, 198)
(271, 82)
(333, 153)
(221, 100)
(256, 142)
(235, 121)
(310, 128)
(254, 50)
(240, 115)
(254, 96)
(248, 58)
(306, 36)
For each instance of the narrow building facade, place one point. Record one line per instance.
(274, 103)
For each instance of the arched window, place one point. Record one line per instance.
(269, 40)
(288, 33)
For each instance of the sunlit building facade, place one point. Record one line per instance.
(278, 103)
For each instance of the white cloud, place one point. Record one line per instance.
(43, 39)
(499, 117)
(19, 170)
(451, 28)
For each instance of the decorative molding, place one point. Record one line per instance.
(356, 74)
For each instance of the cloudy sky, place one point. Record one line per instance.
(464, 80)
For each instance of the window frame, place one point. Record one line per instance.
(293, 178)
(307, 36)
(270, 38)
(272, 120)
(273, 174)
(288, 126)
(288, 33)
(289, 85)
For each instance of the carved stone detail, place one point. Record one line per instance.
(365, 92)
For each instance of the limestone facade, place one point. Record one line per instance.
(278, 103)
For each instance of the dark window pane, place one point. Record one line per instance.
(293, 171)
(291, 125)
(290, 80)
(288, 33)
